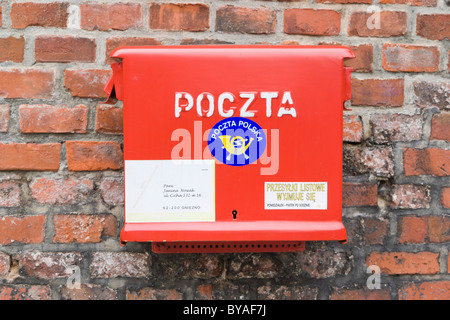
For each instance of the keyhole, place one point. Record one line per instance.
(234, 213)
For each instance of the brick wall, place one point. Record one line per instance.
(61, 184)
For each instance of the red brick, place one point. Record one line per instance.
(86, 83)
(433, 26)
(363, 60)
(396, 127)
(119, 264)
(109, 119)
(409, 196)
(345, 1)
(48, 265)
(375, 231)
(439, 229)
(445, 197)
(412, 229)
(83, 228)
(117, 16)
(440, 125)
(358, 194)
(9, 194)
(25, 292)
(88, 291)
(375, 92)
(312, 22)
(361, 160)
(29, 156)
(431, 161)
(64, 49)
(360, 294)
(436, 290)
(428, 3)
(352, 129)
(5, 264)
(115, 42)
(154, 294)
(410, 58)
(94, 155)
(4, 117)
(52, 119)
(112, 191)
(1, 16)
(26, 83)
(29, 14)
(392, 23)
(29, 229)
(246, 20)
(61, 191)
(405, 262)
(179, 17)
(432, 94)
(12, 49)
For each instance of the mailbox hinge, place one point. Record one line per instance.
(114, 86)
(347, 86)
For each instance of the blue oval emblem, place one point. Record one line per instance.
(237, 141)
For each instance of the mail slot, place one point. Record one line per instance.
(232, 148)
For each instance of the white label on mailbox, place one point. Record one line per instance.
(169, 190)
(295, 195)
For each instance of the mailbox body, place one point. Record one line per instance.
(173, 98)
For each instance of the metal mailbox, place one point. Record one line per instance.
(232, 148)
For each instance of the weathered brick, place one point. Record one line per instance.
(432, 94)
(5, 264)
(50, 48)
(439, 229)
(88, 291)
(312, 22)
(257, 266)
(412, 229)
(70, 190)
(120, 264)
(358, 194)
(29, 156)
(115, 42)
(440, 124)
(433, 26)
(436, 290)
(445, 197)
(375, 230)
(246, 20)
(109, 119)
(392, 23)
(353, 130)
(323, 264)
(409, 196)
(191, 41)
(93, 155)
(52, 119)
(27, 14)
(4, 117)
(427, 3)
(86, 83)
(376, 160)
(410, 58)
(83, 228)
(179, 16)
(27, 83)
(396, 127)
(345, 1)
(116, 16)
(112, 191)
(191, 267)
(29, 229)
(405, 262)
(12, 49)
(154, 294)
(360, 294)
(48, 265)
(25, 292)
(429, 161)
(9, 194)
(378, 92)
(286, 293)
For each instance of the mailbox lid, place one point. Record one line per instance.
(309, 145)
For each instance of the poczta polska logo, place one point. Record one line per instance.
(237, 141)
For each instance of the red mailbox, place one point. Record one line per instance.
(232, 148)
